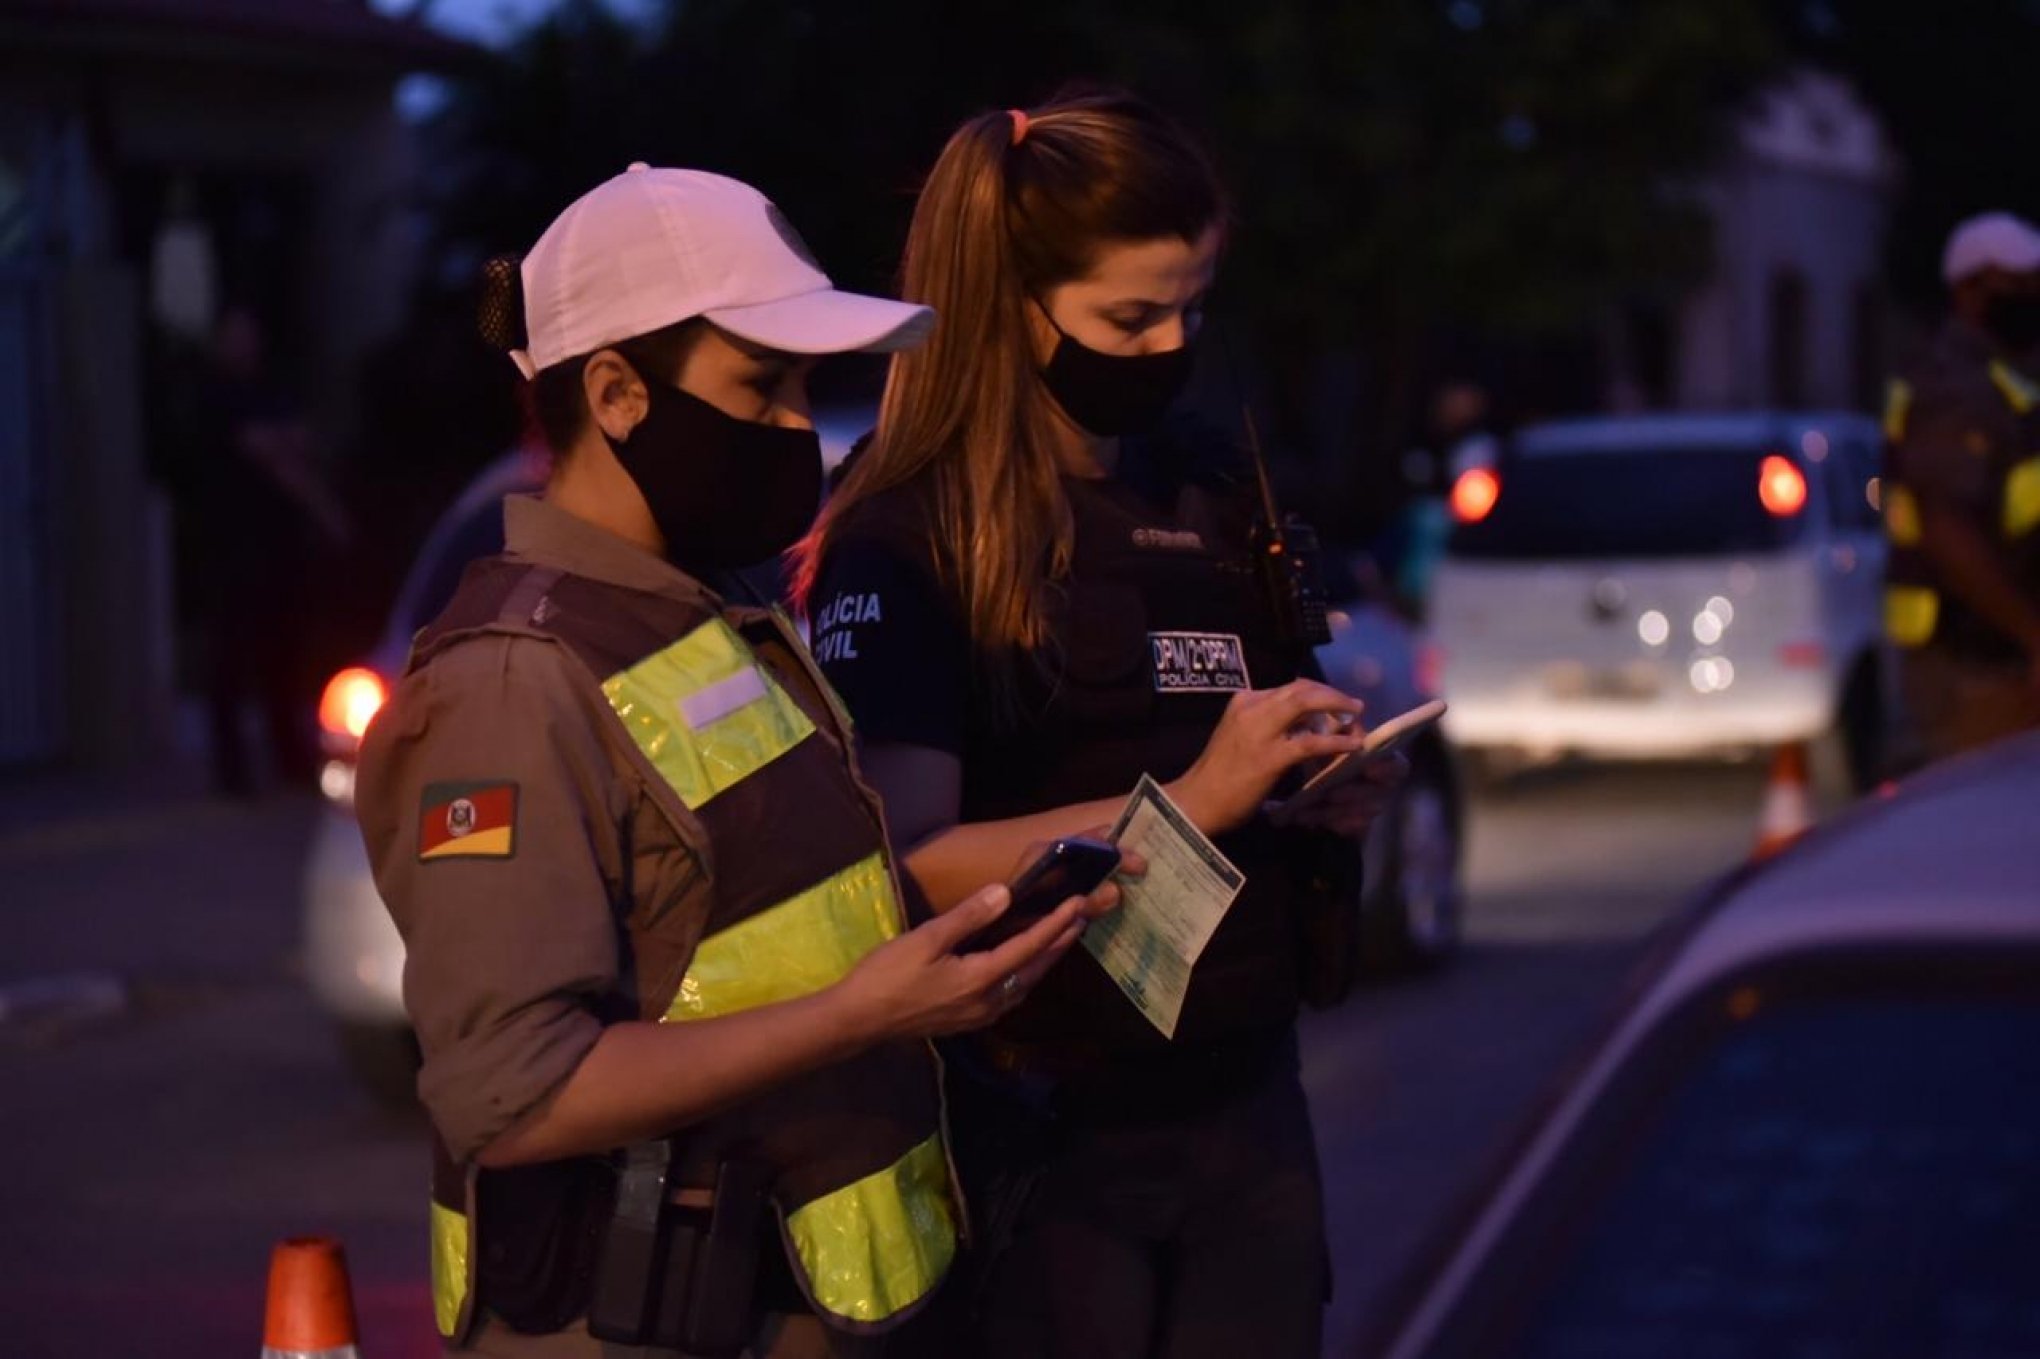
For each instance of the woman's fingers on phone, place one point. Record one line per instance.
(1131, 862)
(1387, 771)
(1298, 697)
(1311, 747)
(1045, 937)
(1035, 849)
(967, 917)
(1348, 810)
(1101, 900)
(1029, 976)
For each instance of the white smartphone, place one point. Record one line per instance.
(1382, 741)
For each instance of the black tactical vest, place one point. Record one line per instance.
(1161, 619)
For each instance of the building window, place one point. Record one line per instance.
(1788, 338)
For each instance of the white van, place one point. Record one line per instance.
(1668, 586)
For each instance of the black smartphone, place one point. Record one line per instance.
(1070, 867)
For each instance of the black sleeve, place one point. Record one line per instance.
(888, 639)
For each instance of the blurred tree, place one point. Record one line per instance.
(1412, 170)
(1405, 169)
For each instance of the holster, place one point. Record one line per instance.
(681, 1275)
(540, 1227)
(1002, 1135)
(1328, 908)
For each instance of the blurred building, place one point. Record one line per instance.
(158, 157)
(1795, 314)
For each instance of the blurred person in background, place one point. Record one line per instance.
(1007, 589)
(1460, 440)
(671, 1014)
(1961, 498)
(257, 509)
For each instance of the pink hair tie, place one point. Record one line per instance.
(1019, 118)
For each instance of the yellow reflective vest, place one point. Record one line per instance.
(1917, 612)
(804, 888)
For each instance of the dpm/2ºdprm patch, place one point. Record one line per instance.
(1199, 662)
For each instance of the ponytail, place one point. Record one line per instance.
(1018, 203)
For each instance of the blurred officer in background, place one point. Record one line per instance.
(670, 1011)
(1962, 498)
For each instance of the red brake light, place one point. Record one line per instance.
(350, 703)
(1781, 487)
(1474, 494)
(1430, 670)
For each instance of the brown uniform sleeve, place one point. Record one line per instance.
(512, 943)
(1952, 429)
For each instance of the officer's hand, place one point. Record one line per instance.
(1260, 738)
(919, 986)
(1132, 864)
(1351, 809)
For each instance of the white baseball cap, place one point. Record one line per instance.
(1992, 240)
(653, 247)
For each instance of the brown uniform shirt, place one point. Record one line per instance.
(516, 957)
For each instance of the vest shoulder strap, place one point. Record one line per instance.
(496, 595)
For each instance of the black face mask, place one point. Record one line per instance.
(1111, 394)
(2014, 320)
(725, 492)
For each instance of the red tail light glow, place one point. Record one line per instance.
(1474, 495)
(1430, 670)
(350, 703)
(1781, 487)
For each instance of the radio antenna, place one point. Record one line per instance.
(1266, 484)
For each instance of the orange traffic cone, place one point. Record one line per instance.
(311, 1308)
(1788, 803)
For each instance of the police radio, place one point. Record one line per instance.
(1286, 558)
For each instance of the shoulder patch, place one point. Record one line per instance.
(473, 820)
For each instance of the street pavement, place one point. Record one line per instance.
(155, 1153)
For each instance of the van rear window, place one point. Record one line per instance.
(1650, 503)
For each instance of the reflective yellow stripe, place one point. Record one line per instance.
(2016, 388)
(1898, 395)
(702, 761)
(2022, 499)
(794, 949)
(1910, 612)
(1901, 516)
(449, 1266)
(875, 1247)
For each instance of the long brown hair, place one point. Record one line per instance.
(1018, 203)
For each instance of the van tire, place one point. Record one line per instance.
(1416, 915)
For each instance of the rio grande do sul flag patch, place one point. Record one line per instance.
(468, 821)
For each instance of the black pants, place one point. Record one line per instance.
(1197, 1233)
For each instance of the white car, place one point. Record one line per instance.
(1415, 885)
(1668, 586)
(1814, 1129)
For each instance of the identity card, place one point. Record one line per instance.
(1152, 942)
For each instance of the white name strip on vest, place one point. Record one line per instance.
(706, 707)
(1150, 945)
(1199, 662)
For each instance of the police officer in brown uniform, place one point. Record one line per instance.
(672, 1017)
(1962, 498)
